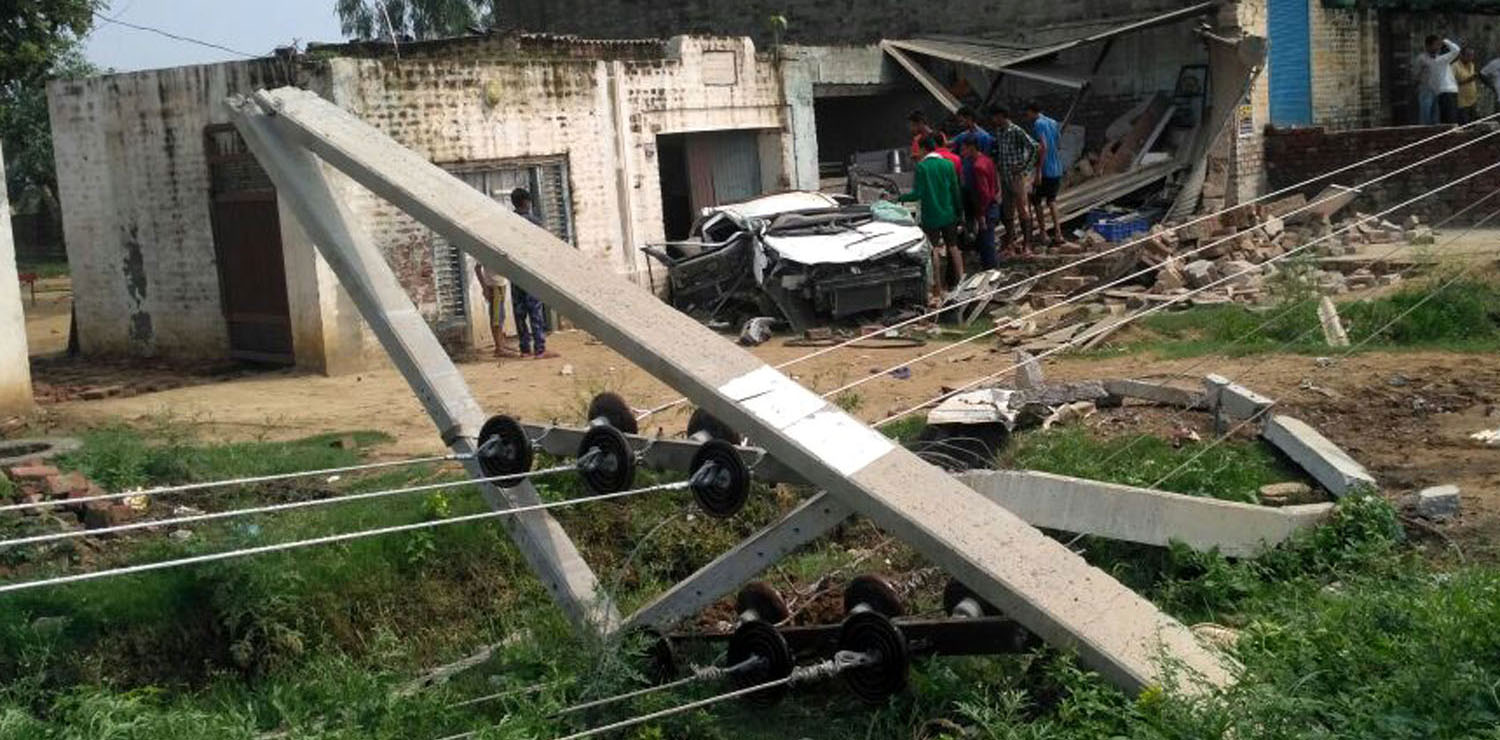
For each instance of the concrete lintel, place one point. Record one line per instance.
(436, 381)
(814, 518)
(1159, 393)
(1142, 515)
(1325, 461)
(1053, 592)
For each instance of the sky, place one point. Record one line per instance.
(251, 26)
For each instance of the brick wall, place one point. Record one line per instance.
(133, 185)
(1346, 67)
(1296, 155)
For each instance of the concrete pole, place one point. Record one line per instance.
(15, 362)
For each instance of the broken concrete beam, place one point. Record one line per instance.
(1438, 503)
(1333, 199)
(1284, 206)
(1333, 328)
(1329, 465)
(1142, 515)
(1234, 401)
(1166, 395)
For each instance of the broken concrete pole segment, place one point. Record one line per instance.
(1333, 328)
(1323, 460)
(1231, 403)
(374, 289)
(1034, 579)
(1143, 515)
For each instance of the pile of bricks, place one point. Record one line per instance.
(36, 482)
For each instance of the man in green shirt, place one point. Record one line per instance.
(936, 189)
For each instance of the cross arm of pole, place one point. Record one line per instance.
(1036, 580)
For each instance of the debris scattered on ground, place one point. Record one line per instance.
(1438, 503)
(1486, 436)
(757, 331)
(1069, 413)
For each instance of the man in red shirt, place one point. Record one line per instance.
(981, 185)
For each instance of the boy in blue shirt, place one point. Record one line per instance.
(1049, 169)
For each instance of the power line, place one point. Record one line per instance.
(177, 37)
(1163, 306)
(1100, 288)
(234, 482)
(987, 294)
(329, 539)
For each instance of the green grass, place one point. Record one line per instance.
(1232, 471)
(1463, 317)
(1346, 632)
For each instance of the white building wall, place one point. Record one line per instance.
(15, 363)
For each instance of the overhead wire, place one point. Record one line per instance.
(1122, 280)
(1287, 310)
(1113, 250)
(1349, 351)
(274, 508)
(174, 36)
(245, 481)
(1186, 296)
(331, 539)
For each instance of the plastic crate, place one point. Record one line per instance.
(1121, 228)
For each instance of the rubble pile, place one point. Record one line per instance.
(36, 482)
(1229, 259)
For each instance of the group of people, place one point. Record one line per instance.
(965, 184)
(531, 315)
(1448, 80)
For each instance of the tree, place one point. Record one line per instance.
(39, 40)
(407, 19)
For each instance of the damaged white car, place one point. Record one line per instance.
(801, 256)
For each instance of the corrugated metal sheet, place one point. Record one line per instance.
(996, 54)
(1289, 27)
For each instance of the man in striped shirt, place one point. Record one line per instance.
(1015, 159)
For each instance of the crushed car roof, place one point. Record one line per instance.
(778, 203)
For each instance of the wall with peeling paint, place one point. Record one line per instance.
(15, 364)
(134, 188)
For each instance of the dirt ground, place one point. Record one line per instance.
(1408, 416)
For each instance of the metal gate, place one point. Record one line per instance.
(247, 243)
(1289, 28)
(546, 179)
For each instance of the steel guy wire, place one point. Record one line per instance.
(174, 36)
(235, 482)
(524, 691)
(332, 539)
(275, 508)
(711, 673)
(1178, 299)
(1119, 281)
(1246, 372)
(1113, 250)
(1345, 355)
(826, 669)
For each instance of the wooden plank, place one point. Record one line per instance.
(413, 349)
(1038, 581)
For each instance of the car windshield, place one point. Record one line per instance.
(819, 221)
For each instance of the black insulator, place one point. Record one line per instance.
(875, 636)
(612, 409)
(757, 598)
(957, 596)
(758, 639)
(875, 593)
(705, 423)
(606, 461)
(720, 480)
(503, 447)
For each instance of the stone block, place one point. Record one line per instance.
(1438, 503)
(1325, 461)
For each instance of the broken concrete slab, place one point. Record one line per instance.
(1325, 461)
(1333, 328)
(1143, 515)
(1438, 503)
(1166, 395)
(1230, 400)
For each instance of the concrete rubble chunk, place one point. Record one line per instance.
(1333, 327)
(1198, 273)
(1285, 494)
(32, 472)
(1234, 401)
(1325, 461)
(1438, 503)
(1421, 236)
(1165, 395)
(1239, 273)
(1028, 371)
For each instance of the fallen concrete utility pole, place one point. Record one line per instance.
(1035, 580)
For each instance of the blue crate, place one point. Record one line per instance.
(1120, 228)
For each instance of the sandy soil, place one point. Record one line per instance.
(47, 317)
